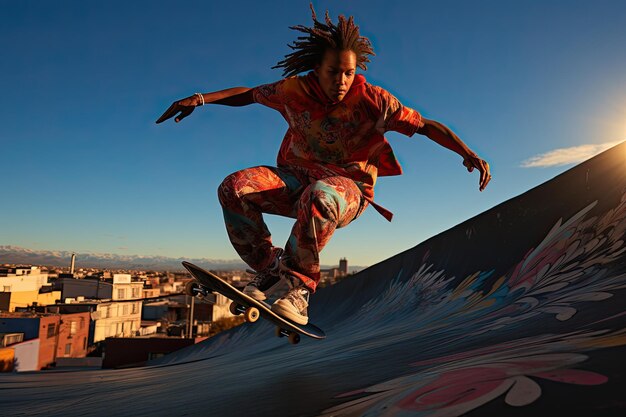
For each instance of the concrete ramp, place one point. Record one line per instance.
(518, 311)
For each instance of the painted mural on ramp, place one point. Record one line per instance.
(518, 311)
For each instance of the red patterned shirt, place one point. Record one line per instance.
(343, 138)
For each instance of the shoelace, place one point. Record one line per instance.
(298, 293)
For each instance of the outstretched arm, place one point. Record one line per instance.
(236, 96)
(445, 137)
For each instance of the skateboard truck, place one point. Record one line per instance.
(294, 338)
(195, 289)
(251, 314)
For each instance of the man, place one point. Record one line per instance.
(328, 162)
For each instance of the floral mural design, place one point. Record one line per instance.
(574, 265)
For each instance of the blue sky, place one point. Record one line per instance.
(85, 168)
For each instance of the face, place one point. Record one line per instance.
(336, 73)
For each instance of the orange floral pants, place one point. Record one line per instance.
(319, 206)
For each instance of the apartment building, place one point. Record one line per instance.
(117, 312)
(22, 278)
(46, 337)
(25, 286)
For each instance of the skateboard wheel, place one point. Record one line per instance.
(294, 338)
(252, 314)
(279, 332)
(189, 287)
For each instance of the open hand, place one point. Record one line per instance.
(185, 107)
(473, 161)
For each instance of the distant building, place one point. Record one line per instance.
(12, 301)
(111, 315)
(173, 287)
(125, 289)
(119, 287)
(151, 292)
(343, 266)
(25, 286)
(221, 307)
(26, 278)
(7, 359)
(123, 352)
(173, 314)
(333, 275)
(108, 318)
(46, 337)
(90, 288)
(166, 311)
(173, 283)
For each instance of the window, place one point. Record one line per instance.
(68, 349)
(73, 327)
(11, 339)
(121, 293)
(135, 292)
(84, 343)
(135, 308)
(126, 309)
(52, 330)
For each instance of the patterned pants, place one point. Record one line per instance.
(319, 207)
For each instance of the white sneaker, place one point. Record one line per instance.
(293, 305)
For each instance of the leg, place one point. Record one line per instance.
(244, 196)
(325, 205)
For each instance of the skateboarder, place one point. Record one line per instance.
(328, 162)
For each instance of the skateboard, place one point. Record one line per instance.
(206, 282)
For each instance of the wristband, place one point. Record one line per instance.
(201, 98)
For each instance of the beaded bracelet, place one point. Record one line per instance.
(201, 98)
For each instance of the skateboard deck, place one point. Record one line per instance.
(251, 308)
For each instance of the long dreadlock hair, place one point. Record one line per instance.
(309, 49)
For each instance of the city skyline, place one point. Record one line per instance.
(62, 259)
(533, 88)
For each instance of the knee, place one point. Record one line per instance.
(227, 190)
(324, 200)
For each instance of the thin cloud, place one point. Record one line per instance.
(565, 156)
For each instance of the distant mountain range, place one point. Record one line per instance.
(18, 255)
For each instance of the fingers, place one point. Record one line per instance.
(184, 107)
(485, 175)
(184, 113)
(171, 111)
(474, 161)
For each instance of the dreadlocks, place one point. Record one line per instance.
(309, 49)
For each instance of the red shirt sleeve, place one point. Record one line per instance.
(271, 95)
(405, 120)
(394, 115)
